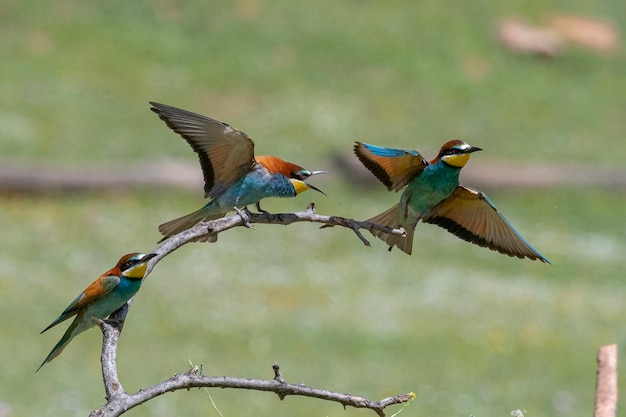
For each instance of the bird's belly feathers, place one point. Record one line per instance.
(426, 191)
(102, 307)
(255, 186)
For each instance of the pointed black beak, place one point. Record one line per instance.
(315, 188)
(148, 257)
(473, 149)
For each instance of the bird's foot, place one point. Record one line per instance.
(260, 210)
(245, 217)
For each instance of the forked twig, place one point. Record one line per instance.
(118, 401)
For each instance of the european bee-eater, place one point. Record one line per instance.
(233, 176)
(434, 195)
(106, 294)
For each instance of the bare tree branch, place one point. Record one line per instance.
(118, 401)
(246, 218)
(111, 330)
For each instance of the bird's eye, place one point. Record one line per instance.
(128, 264)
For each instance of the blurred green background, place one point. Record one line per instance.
(470, 331)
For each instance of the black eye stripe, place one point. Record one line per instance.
(128, 264)
(300, 175)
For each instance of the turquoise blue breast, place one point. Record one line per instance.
(106, 305)
(436, 183)
(255, 186)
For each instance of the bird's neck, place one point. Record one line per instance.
(262, 183)
(280, 186)
(441, 173)
(129, 285)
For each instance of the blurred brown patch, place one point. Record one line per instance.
(40, 44)
(596, 34)
(519, 36)
(167, 10)
(476, 67)
(248, 9)
(283, 56)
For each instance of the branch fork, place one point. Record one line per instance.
(119, 401)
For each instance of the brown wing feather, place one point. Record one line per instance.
(393, 171)
(226, 154)
(470, 215)
(101, 286)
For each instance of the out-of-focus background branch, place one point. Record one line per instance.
(472, 331)
(32, 177)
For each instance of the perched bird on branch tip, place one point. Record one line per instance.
(233, 175)
(106, 294)
(433, 195)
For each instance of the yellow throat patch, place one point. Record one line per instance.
(137, 271)
(298, 185)
(458, 161)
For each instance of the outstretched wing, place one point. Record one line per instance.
(226, 154)
(393, 167)
(472, 216)
(100, 287)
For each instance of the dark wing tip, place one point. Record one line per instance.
(157, 107)
(168, 114)
(469, 236)
(163, 111)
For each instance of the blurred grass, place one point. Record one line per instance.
(470, 331)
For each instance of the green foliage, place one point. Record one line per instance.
(468, 330)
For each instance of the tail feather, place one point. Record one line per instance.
(391, 218)
(69, 334)
(183, 223)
